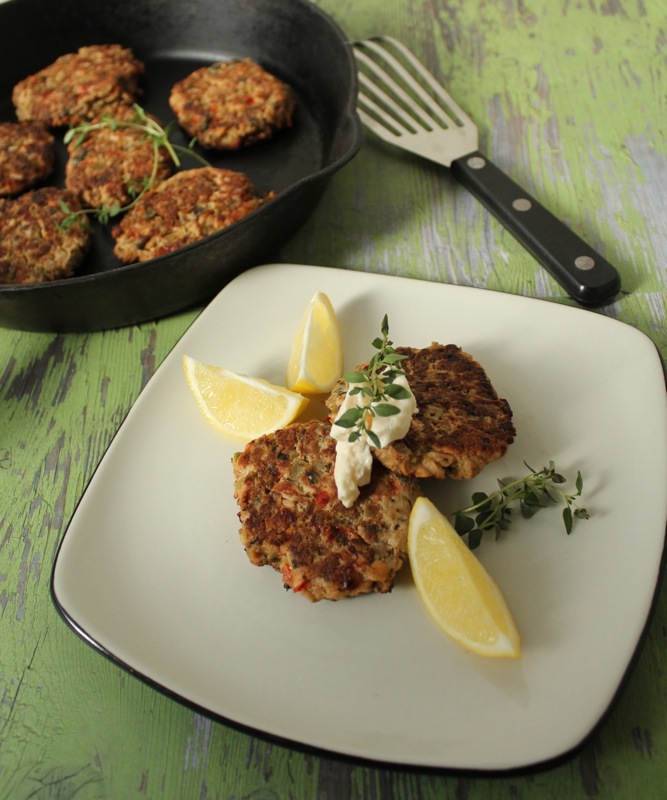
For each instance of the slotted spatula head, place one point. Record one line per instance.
(402, 103)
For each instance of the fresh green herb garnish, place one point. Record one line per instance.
(376, 384)
(159, 138)
(492, 512)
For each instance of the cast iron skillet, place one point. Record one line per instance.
(292, 39)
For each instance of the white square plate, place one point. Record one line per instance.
(151, 571)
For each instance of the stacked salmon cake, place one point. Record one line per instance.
(290, 514)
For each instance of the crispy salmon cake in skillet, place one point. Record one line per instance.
(461, 424)
(36, 243)
(78, 86)
(185, 208)
(110, 166)
(232, 104)
(27, 154)
(292, 520)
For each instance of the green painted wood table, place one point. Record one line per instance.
(571, 100)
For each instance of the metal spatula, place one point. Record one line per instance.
(401, 102)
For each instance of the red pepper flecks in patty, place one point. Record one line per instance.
(27, 154)
(291, 517)
(110, 166)
(35, 243)
(461, 424)
(183, 209)
(78, 86)
(232, 104)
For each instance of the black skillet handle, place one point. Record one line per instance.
(580, 270)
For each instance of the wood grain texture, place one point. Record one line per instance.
(570, 100)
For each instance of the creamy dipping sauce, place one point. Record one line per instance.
(354, 461)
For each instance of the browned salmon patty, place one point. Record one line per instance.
(78, 86)
(27, 153)
(111, 166)
(461, 424)
(231, 104)
(185, 208)
(36, 245)
(292, 520)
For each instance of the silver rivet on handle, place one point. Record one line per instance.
(584, 262)
(476, 162)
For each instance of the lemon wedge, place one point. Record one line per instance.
(316, 360)
(238, 405)
(458, 593)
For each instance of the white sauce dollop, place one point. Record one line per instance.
(353, 459)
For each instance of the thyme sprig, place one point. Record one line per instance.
(540, 488)
(159, 139)
(376, 384)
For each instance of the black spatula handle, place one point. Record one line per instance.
(580, 270)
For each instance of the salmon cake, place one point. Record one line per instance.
(78, 86)
(27, 155)
(185, 208)
(232, 104)
(291, 518)
(36, 242)
(461, 424)
(112, 165)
